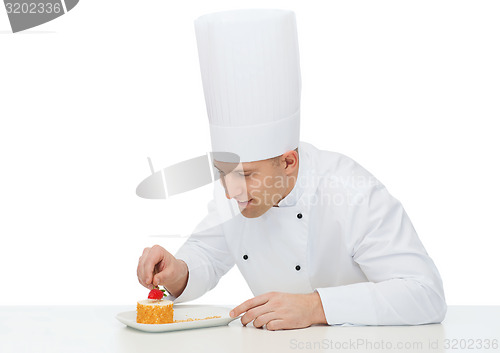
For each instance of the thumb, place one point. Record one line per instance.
(157, 279)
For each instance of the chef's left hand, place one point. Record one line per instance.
(281, 311)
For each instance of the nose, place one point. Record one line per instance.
(233, 186)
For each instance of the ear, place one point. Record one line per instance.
(291, 158)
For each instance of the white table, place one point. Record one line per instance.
(93, 329)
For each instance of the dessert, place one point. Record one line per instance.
(155, 309)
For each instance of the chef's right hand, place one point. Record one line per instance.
(159, 267)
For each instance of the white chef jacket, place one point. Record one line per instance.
(338, 232)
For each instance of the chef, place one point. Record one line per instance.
(318, 239)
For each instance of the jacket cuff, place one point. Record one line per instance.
(350, 304)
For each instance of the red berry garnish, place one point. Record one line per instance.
(155, 294)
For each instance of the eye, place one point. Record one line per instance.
(245, 175)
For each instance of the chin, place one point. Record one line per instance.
(249, 213)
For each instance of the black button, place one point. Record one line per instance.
(245, 257)
(297, 268)
(299, 216)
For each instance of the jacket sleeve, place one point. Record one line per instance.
(404, 286)
(206, 254)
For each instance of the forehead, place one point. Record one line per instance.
(238, 167)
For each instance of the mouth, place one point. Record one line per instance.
(244, 203)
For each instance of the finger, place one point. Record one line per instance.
(162, 276)
(249, 304)
(139, 272)
(263, 319)
(153, 257)
(253, 313)
(140, 267)
(277, 324)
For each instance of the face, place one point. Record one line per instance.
(258, 186)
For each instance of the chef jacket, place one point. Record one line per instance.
(338, 232)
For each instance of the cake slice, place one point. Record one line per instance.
(155, 311)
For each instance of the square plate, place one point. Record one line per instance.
(182, 312)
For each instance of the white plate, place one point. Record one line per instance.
(182, 312)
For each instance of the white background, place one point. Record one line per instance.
(408, 89)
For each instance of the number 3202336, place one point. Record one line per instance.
(471, 344)
(33, 7)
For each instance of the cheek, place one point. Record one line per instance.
(252, 190)
(254, 187)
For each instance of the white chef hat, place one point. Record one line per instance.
(249, 62)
